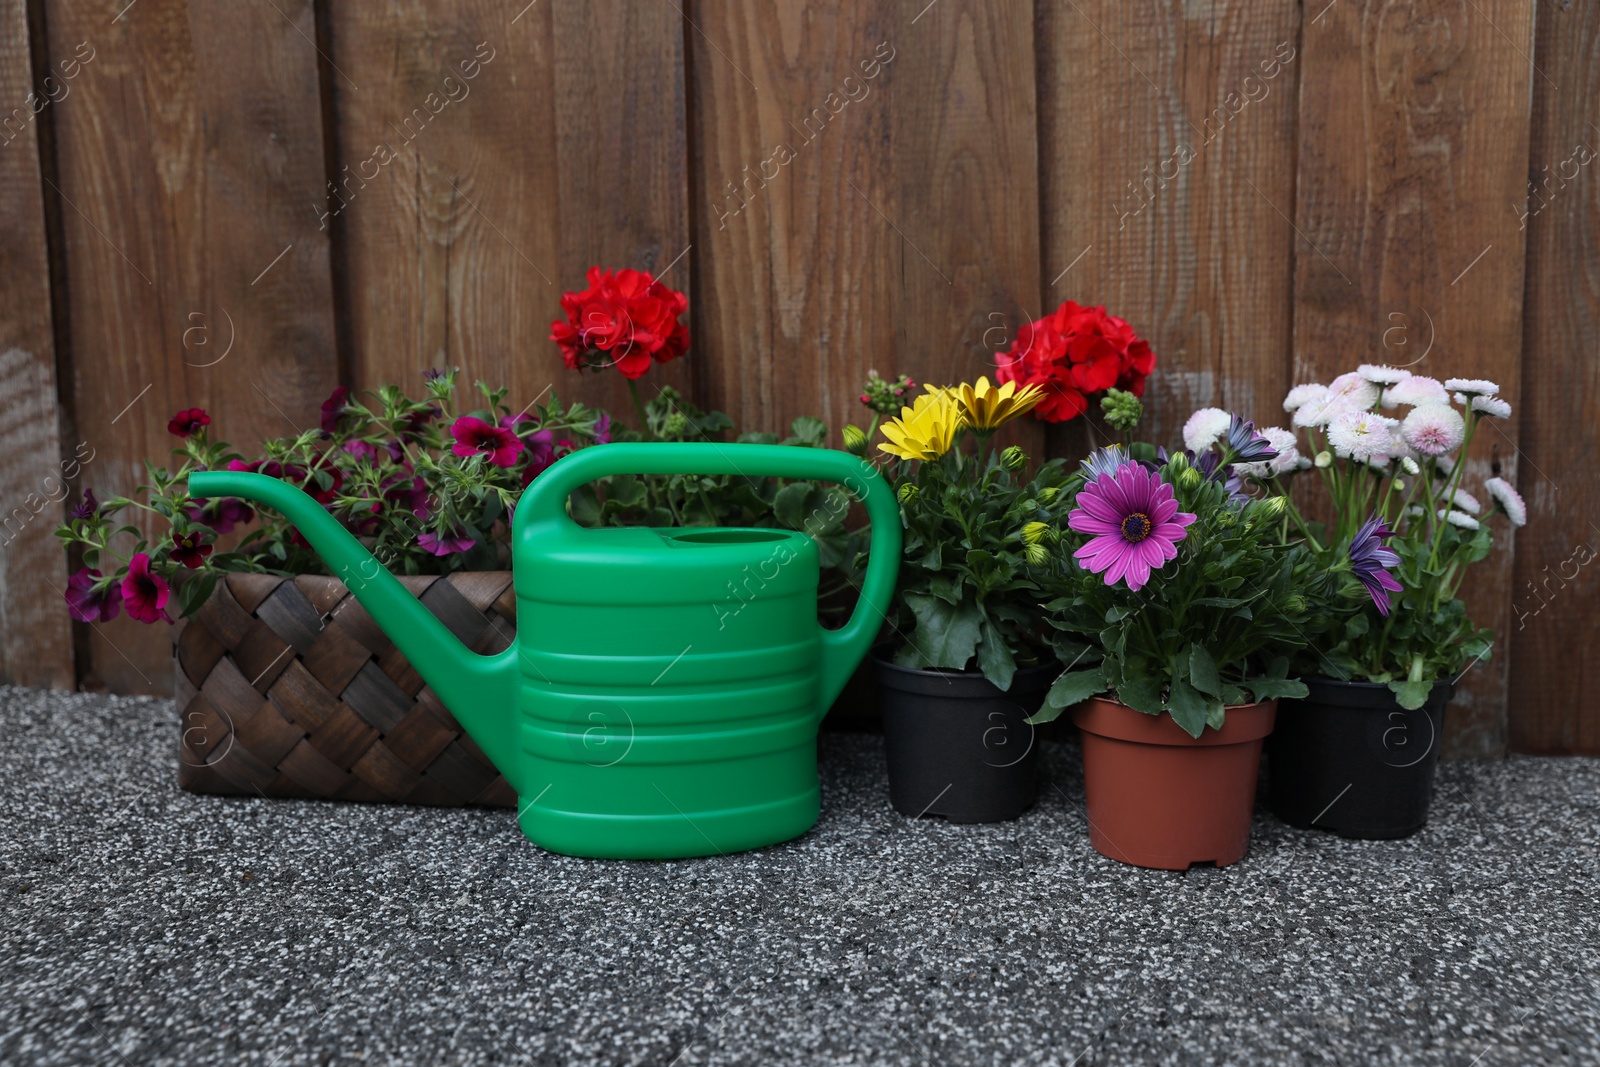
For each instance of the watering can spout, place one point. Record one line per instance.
(480, 691)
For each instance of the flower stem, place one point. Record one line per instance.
(638, 407)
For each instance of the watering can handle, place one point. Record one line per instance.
(842, 649)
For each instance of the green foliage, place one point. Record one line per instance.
(967, 595)
(1212, 628)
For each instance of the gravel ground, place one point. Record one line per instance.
(147, 926)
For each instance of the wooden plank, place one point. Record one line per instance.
(1412, 147)
(866, 196)
(190, 155)
(486, 156)
(1554, 671)
(1166, 132)
(35, 633)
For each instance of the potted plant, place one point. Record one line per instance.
(1177, 612)
(1356, 756)
(967, 663)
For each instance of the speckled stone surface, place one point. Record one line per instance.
(142, 925)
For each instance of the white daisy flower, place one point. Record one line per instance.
(1434, 429)
(1379, 463)
(1321, 410)
(1382, 374)
(1409, 465)
(1459, 518)
(1204, 427)
(1415, 391)
(1492, 405)
(1416, 511)
(1355, 390)
(1284, 443)
(1471, 386)
(1466, 502)
(1303, 394)
(1303, 463)
(1359, 435)
(1509, 499)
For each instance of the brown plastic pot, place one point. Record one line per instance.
(1159, 798)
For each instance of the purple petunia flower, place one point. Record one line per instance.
(445, 545)
(602, 430)
(88, 604)
(1135, 522)
(89, 508)
(1368, 558)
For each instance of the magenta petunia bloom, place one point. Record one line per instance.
(222, 514)
(602, 430)
(474, 437)
(188, 422)
(334, 406)
(189, 550)
(445, 545)
(1369, 558)
(1135, 523)
(88, 604)
(144, 593)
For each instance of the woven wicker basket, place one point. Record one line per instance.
(288, 688)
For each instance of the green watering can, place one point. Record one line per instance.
(664, 692)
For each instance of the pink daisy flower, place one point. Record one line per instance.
(1434, 429)
(1135, 523)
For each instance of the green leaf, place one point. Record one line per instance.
(1074, 687)
(945, 636)
(946, 587)
(807, 430)
(1411, 695)
(1143, 693)
(994, 658)
(792, 504)
(1273, 688)
(1232, 695)
(1203, 672)
(1190, 710)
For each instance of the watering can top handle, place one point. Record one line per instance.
(546, 501)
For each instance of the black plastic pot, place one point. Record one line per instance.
(1349, 759)
(957, 745)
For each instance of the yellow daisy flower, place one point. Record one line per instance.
(986, 407)
(926, 430)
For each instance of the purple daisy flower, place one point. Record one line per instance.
(1368, 559)
(1246, 445)
(1135, 523)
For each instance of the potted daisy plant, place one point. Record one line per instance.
(1356, 755)
(1177, 613)
(966, 663)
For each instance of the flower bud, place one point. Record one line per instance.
(1037, 555)
(1047, 494)
(1399, 485)
(1324, 460)
(1409, 465)
(1271, 507)
(1034, 532)
(855, 439)
(908, 493)
(1177, 463)
(1013, 459)
(1122, 409)
(1189, 478)
(1296, 603)
(677, 425)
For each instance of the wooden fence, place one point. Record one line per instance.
(240, 204)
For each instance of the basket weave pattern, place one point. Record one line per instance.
(289, 688)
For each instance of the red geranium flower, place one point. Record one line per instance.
(144, 593)
(474, 437)
(188, 422)
(188, 550)
(1074, 353)
(88, 604)
(626, 319)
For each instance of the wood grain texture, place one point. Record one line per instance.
(1554, 672)
(35, 633)
(190, 153)
(486, 157)
(1166, 131)
(1411, 175)
(866, 197)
